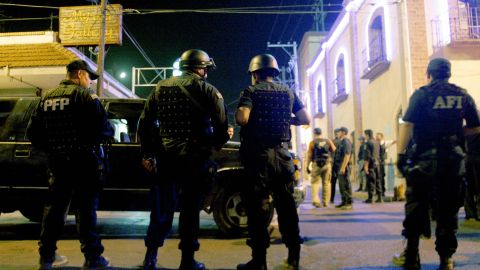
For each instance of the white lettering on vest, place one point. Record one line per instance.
(53, 103)
(448, 102)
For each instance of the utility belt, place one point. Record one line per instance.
(424, 160)
(321, 162)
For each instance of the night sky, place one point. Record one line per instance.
(230, 39)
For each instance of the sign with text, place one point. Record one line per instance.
(80, 25)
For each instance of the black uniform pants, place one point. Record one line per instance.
(382, 173)
(74, 179)
(335, 169)
(472, 191)
(436, 188)
(182, 180)
(345, 186)
(269, 171)
(374, 185)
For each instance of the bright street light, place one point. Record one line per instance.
(123, 75)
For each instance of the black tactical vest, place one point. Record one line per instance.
(179, 117)
(269, 119)
(442, 115)
(321, 151)
(59, 113)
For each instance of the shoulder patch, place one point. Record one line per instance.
(94, 96)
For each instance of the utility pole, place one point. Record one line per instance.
(319, 17)
(291, 50)
(101, 47)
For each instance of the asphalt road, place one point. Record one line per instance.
(363, 238)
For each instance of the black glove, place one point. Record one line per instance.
(402, 164)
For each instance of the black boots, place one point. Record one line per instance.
(189, 263)
(446, 263)
(293, 260)
(409, 258)
(253, 265)
(150, 261)
(258, 261)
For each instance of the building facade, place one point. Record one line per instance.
(33, 62)
(376, 55)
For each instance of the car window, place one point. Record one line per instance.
(14, 116)
(124, 117)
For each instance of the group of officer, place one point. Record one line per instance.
(184, 121)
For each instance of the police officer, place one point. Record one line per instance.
(361, 161)
(336, 166)
(184, 120)
(319, 153)
(379, 137)
(371, 167)
(342, 164)
(264, 114)
(69, 125)
(435, 167)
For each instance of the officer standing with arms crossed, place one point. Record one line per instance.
(265, 114)
(434, 172)
(319, 154)
(184, 120)
(69, 125)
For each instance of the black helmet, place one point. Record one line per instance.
(264, 62)
(195, 58)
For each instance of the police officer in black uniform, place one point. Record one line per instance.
(183, 122)
(69, 125)
(335, 166)
(342, 164)
(371, 167)
(434, 166)
(265, 114)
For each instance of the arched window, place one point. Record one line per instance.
(320, 108)
(340, 80)
(376, 39)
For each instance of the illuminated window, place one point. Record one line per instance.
(340, 80)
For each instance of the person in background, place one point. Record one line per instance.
(319, 154)
(342, 162)
(230, 131)
(335, 166)
(362, 183)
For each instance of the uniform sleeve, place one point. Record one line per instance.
(347, 147)
(147, 126)
(297, 104)
(219, 119)
(471, 113)
(35, 128)
(368, 154)
(105, 128)
(245, 99)
(310, 151)
(413, 113)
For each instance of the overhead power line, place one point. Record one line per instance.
(29, 6)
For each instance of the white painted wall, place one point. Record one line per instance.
(465, 73)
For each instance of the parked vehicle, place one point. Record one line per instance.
(24, 178)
